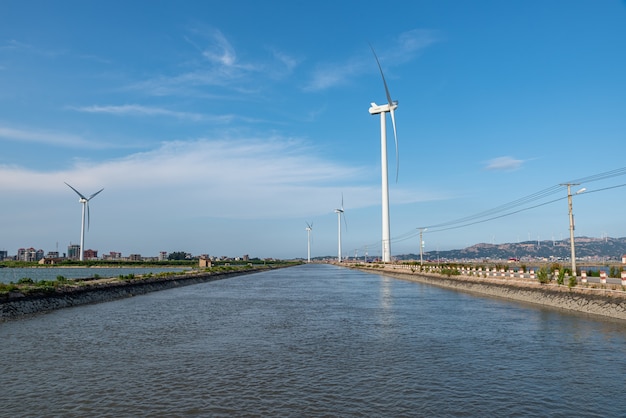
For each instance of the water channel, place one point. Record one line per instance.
(312, 340)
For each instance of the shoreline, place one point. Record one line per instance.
(596, 301)
(17, 305)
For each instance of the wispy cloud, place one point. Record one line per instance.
(238, 179)
(504, 164)
(17, 46)
(139, 110)
(218, 66)
(398, 51)
(330, 75)
(45, 137)
(12, 44)
(220, 51)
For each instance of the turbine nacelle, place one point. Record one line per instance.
(376, 109)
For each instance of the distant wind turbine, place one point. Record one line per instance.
(309, 228)
(340, 213)
(85, 201)
(390, 107)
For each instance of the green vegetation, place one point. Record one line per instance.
(27, 286)
(450, 271)
(543, 275)
(572, 281)
(615, 271)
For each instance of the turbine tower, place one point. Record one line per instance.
(309, 228)
(390, 107)
(339, 213)
(85, 201)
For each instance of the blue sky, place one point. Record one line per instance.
(222, 127)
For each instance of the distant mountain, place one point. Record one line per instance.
(592, 249)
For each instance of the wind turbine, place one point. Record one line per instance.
(85, 201)
(339, 213)
(309, 228)
(390, 107)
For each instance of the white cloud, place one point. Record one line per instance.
(504, 164)
(329, 75)
(238, 179)
(220, 51)
(402, 49)
(45, 137)
(216, 65)
(139, 110)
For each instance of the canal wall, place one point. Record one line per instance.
(17, 305)
(608, 302)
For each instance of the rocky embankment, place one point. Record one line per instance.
(17, 304)
(604, 301)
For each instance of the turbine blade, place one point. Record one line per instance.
(88, 218)
(391, 111)
(77, 192)
(383, 76)
(93, 195)
(395, 137)
(345, 222)
(342, 202)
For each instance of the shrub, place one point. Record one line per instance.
(572, 281)
(6, 288)
(450, 272)
(543, 275)
(615, 272)
(25, 280)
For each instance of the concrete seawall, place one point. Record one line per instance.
(19, 305)
(596, 301)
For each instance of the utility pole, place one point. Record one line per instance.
(422, 246)
(571, 223)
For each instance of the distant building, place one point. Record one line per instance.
(50, 260)
(112, 255)
(90, 254)
(52, 254)
(29, 254)
(624, 259)
(205, 262)
(73, 252)
(134, 257)
(163, 256)
(3, 255)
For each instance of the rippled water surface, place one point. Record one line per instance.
(313, 340)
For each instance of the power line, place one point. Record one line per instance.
(528, 199)
(490, 214)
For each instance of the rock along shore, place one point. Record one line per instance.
(17, 305)
(597, 301)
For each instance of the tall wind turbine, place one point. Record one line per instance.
(339, 213)
(390, 107)
(85, 201)
(309, 228)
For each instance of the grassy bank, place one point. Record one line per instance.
(28, 287)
